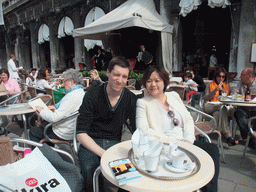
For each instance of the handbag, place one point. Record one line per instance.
(33, 173)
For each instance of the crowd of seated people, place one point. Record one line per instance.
(105, 107)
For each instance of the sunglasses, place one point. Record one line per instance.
(221, 76)
(174, 120)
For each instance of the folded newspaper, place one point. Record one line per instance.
(38, 102)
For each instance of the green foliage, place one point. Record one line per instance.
(86, 73)
(134, 75)
(102, 74)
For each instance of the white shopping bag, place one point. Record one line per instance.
(33, 173)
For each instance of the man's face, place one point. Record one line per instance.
(117, 78)
(245, 77)
(33, 72)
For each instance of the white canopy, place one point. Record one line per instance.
(1, 14)
(189, 5)
(65, 28)
(43, 34)
(94, 14)
(132, 13)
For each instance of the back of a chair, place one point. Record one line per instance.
(177, 88)
(32, 91)
(47, 99)
(130, 87)
(6, 151)
(49, 91)
(131, 82)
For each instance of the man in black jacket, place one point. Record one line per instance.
(102, 114)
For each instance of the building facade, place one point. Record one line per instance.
(40, 32)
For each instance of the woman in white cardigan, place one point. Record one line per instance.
(164, 114)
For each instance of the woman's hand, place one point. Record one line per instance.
(52, 108)
(218, 88)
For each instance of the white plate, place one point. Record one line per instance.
(187, 167)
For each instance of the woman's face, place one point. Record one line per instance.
(4, 77)
(155, 85)
(92, 75)
(220, 77)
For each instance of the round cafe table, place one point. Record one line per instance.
(18, 109)
(150, 184)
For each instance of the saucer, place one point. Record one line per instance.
(185, 168)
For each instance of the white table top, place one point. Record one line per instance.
(239, 103)
(149, 184)
(16, 109)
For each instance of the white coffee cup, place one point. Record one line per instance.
(151, 161)
(179, 159)
(173, 146)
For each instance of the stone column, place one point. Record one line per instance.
(247, 34)
(54, 47)
(165, 12)
(34, 45)
(78, 43)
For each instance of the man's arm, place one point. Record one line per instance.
(84, 121)
(90, 144)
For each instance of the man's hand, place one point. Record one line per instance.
(194, 84)
(39, 109)
(52, 108)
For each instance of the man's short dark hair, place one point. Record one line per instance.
(121, 62)
(188, 75)
(161, 72)
(12, 55)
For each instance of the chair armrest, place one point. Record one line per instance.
(250, 123)
(33, 143)
(10, 98)
(203, 133)
(204, 114)
(71, 116)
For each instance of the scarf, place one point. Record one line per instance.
(57, 105)
(213, 86)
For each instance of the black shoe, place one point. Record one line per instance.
(231, 141)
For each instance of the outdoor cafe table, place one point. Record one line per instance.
(150, 184)
(18, 109)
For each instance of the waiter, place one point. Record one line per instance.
(144, 58)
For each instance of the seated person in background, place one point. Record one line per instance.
(41, 81)
(189, 83)
(214, 89)
(242, 113)
(199, 83)
(95, 79)
(11, 85)
(102, 114)
(163, 114)
(29, 80)
(34, 72)
(69, 104)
